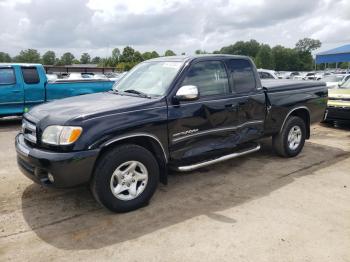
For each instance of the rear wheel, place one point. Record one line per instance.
(125, 178)
(290, 141)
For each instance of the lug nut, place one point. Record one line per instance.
(133, 180)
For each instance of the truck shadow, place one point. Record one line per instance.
(10, 123)
(71, 219)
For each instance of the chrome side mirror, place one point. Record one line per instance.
(187, 93)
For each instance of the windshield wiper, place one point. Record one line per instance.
(139, 93)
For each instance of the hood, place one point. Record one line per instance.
(85, 106)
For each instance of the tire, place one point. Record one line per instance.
(280, 142)
(111, 173)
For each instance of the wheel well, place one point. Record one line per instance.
(303, 113)
(150, 144)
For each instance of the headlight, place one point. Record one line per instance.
(61, 135)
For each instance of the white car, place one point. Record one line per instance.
(267, 74)
(333, 81)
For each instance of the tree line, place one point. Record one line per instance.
(278, 58)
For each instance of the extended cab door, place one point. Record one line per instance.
(34, 86)
(11, 92)
(249, 99)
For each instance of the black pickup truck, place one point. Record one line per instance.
(171, 112)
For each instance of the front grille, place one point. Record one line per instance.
(29, 131)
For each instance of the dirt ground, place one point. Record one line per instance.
(256, 208)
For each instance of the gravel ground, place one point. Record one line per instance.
(256, 208)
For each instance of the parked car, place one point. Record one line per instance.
(338, 108)
(267, 74)
(334, 81)
(180, 112)
(23, 86)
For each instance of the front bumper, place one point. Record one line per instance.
(337, 113)
(68, 169)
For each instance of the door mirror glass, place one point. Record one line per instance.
(187, 93)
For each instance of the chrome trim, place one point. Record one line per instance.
(30, 138)
(291, 111)
(138, 135)
(35, 101)
(29, 126)
(217, 160)
(214, 130)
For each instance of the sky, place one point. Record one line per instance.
(97, 26)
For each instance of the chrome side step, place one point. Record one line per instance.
(219, 159)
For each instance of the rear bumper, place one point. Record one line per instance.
(338, 113)
(68, 169)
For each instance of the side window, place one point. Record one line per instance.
(210, 77)
(242, 75)
(7, 76)
(30, 75)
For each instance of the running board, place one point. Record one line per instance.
(220, 159)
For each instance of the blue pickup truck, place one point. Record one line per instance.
(23, 86)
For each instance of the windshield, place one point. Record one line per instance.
(151, 78)
(346, 85)
(332, 79)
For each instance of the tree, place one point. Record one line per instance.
(286, 59)
(249, 48)
(5, 57)
(264, 58)
(85, 58)
(307, 45)
(138, 57)
(67, 58)
(127, 55)
(96, 60)
(49, 58)
(116, 55)
(28, 56)
(169, 53)
(200, 52)
(150, 55)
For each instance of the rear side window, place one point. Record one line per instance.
(209, 76)
(7, 76)
(30, 75)
(242, 75)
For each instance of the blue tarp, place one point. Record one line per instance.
(339, 54)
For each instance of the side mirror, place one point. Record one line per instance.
(187, 93)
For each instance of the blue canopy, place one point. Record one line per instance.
(339, 54)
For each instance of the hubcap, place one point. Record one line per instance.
(129, 180)
(294, 137)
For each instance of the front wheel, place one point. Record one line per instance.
(290, 141)
(125, 178)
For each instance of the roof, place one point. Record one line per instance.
(19, 64)
(339, 54)
(184, 58)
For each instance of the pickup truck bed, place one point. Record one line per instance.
(193, 111)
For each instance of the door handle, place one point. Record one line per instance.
(16, 91)
(241, 103)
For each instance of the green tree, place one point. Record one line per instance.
(127, 55)
(264, 58)
(85, 58)
(138, 57)
(150, 55)
(200, 52)
(49, 58)
(307, 45)
(28, 56)
(286, 59)
(96, 60)
(116, 55)
(5, 57)
(67, 58)
(169, 53)
(249, 48)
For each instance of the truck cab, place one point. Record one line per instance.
(22, 86)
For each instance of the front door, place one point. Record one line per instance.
(11, 93)
(200, 127)
(34, 86)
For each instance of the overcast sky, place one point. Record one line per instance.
(97, 26)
